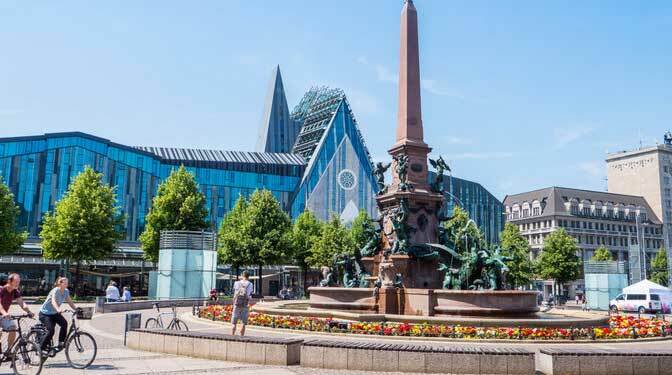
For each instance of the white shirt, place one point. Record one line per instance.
(239, 284)
(112, 293)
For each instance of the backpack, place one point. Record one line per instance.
(240, 296)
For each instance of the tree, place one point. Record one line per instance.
(602, 254)
(305, 233)
(84, 225)
(360, 229)
(333, 240)
(267, 227)
(659, 273)
(558, 260)
(232, 241)
(460, 225)
(10, 237)
(515, 246)
(178, 205)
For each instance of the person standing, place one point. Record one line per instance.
(112, 292)
(50, 313)
(242, 292)
(8, 294)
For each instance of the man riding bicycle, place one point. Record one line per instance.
(50, 313)
(8, 294)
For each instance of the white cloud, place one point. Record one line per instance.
(482, 155)
(363, 102)
(452, 140)
(362, 60)
(385, 75)
(593, 168)
(565, 136)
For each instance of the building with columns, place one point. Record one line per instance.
(646, 172)
(625, 224)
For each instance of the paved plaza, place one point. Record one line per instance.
(114, 358)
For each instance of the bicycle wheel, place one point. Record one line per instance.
(181, 326)
(80, 350)
(27, 358)
(152, 323)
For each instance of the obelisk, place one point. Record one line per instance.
(408, 207)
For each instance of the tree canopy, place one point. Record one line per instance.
(84, 225)
(459, 225)
(11, 237)
(267, 227)
(360, 229)
(333, 240)
(178, 205)
(232, 240)
(602, 254)
(305, 233)
(515, 246)
(558, 260)
(659, 271)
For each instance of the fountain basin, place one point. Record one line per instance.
(485, 302)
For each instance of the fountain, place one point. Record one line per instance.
(409, 260)
(413, 268)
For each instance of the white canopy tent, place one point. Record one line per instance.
(646, 286)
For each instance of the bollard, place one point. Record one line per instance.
(133, 321)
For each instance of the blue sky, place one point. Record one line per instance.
(517, 95)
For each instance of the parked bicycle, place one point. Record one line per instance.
(24, 354)
(174, 323)
(80, 347)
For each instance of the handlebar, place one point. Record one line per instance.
(21, 316)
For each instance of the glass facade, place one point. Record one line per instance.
(38, 170)
(339, 174)
(486, 210)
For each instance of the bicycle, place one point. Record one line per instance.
(24, 354)
(175, 322)
(80, 346)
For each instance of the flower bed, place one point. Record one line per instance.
(620, 327)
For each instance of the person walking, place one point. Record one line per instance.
(112, 292)
(8, 294)
(242, 292)
(584, 303)
(50, 313)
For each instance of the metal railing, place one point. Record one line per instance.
(190, 240)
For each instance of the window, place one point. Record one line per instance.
(586, 211)
(655, 297)
(635, 297)
(526, 212)
(536, 211)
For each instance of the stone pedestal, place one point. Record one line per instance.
(415, 273)
(388, 300)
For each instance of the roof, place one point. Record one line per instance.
(181, 155)
(553, 200)
(644, 286)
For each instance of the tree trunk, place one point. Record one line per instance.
(260, 292)
(76, 279)
(304, 277)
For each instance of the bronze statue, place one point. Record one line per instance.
(372, 244)
(379, 174)
(401, 169)
(441, 166)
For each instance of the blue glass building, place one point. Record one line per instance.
(38, 170)
(483, 207)
(312, 158)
